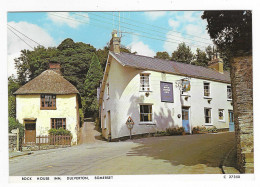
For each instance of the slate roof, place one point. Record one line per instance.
(172, 67)
(48, 82)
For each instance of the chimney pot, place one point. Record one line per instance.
(55, 66)
(115, 42)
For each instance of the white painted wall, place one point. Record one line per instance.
(28, 106)
(125, 97)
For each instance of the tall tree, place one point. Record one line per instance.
(183, 54)
(201, 58)
(13, 85)
(94, 75)
(162, 55)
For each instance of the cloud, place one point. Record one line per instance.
(141, 48)
(15, 44)
(154, 15)
(66, 18)
(187, 27)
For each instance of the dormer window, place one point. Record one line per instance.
(48, 102)
(144, 82)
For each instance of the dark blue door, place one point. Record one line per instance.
(185, 120)
(231, 121)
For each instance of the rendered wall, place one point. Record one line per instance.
(28, 106)
(125, 98)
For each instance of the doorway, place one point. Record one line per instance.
(231, 121)
(30, 131)
(186, 119)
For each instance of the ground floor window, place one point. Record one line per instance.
(146, 113)
(57, 123)
(207, 113)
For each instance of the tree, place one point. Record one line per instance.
(182, 54)
(209, 52)
(94, 75)
(162, 55)
(12, 87)
(230, 30)
(201, 58)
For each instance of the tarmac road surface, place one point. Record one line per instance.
(189, 154)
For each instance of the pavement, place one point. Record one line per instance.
(189, 154)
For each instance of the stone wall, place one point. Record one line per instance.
(242, 89)
(12, 141)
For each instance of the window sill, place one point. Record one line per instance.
(208, 124)
(186, 95)
(221, 121)
(49, 108)
(205, 97)
(229, 99)
(147, 123)
(145, 91)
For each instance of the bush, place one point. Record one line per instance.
(175, 131)
(60, 131)
(14, 124)
(198, 129)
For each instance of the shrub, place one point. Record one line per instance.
(198, 129)
(175, 131)
(14, 124)
(60, 131)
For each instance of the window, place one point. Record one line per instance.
(57, 123)
(146, 113)
(206, 89)
(207, 113)
(48, 101)
(105, 123)
(229, 93)
(144, 82)
(221, 114)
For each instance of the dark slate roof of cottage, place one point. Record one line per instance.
(172, 67)
(48, 82)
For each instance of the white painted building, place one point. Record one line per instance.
(158, 94)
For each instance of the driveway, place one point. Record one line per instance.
(190, 154)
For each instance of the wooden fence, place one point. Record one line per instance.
(50, 140)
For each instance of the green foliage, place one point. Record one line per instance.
(93, 78)
(198, 129)
(201, 58)
(14, 124)
(231, 31)
(12, 87)
(81, 116)
(175, 131)
(183, 54)
(60, 131)
(162, 55)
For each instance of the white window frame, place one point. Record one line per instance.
(146, 122)
(206, 116)
(104, 122)
(229, 93)
(223, 113)
(205, 90)
(144, 87)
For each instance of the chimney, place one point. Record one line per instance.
(216, 63)
(55, 66)
(115, 42)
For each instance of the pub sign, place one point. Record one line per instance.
(166, 92)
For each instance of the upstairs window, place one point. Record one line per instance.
(229, 93)
(144, 82)
(107, 90)
(146, 113)
(207, 113)
(57, 123)
(48, 102)
(206, 89)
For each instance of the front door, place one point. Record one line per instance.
(231, 121)
(30, 132)
(185, 119)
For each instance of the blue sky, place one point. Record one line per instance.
(143, 32)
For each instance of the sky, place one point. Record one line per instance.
(143, 32)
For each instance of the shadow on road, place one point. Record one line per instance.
(208, 149)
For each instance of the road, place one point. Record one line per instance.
(202, 153)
